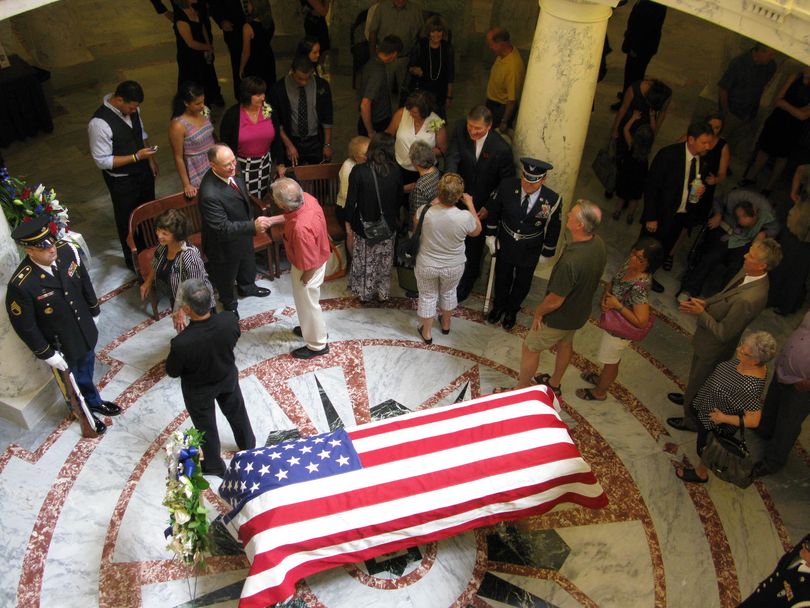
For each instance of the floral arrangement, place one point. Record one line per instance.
(435, 124)
(266, 110)
(22, 204)
(188, 516)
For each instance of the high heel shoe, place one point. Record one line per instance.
(421, 335)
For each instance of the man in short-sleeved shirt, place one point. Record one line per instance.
(373, 93)
(306, 242)
(569, 297)
(505, 79)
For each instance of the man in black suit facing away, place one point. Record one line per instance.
(666, 194)
(228, 228)
(202, 357)
(483, 159)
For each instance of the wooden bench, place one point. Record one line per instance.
(143, 241)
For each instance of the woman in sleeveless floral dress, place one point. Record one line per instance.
(191, 135)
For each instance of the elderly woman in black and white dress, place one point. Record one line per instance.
(440, 261)
(734, 387)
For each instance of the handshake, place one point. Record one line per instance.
(265, 222)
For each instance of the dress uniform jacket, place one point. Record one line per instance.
(42, 307)
(523, 238)
(788, 584)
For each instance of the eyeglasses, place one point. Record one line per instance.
(228, 164)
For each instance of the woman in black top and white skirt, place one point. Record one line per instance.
(374, 189)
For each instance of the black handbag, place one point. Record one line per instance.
(407, 248)
(376, 231)
(729, 458)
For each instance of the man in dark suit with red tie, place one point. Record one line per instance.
(482, 158)
(228, 228)
(666, 193)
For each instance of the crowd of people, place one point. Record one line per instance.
(455, 190)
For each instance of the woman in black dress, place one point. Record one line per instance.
(257, 54)
(650, 98)
(195, 50)
(374, 189)
(432, 65)
(782, 129)
(315, 12)
(632, 170)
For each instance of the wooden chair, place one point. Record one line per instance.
(323, 182)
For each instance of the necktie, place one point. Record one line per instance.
(55, 272)
(303, 119)
(525, 204)
(692, 172)
(233, 185)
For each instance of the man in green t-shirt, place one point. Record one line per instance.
(569, 297)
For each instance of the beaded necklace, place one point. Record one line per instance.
(430, 60)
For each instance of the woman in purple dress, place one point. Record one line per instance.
(191, 135)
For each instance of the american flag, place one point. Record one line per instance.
(307, 505)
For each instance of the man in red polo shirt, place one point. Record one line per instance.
(307, 244)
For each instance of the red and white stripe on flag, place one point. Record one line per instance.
(425, 476)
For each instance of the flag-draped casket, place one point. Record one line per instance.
(307, 505)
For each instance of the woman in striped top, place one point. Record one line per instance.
(734, 388)
(174, 262)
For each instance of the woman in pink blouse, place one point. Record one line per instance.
(251, 129)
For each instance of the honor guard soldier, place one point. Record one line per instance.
(788, 584)
(524, 216)
(50, 300)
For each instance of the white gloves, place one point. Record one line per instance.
(57, 361)
(490, 241)
(96, 319)
(544, 261)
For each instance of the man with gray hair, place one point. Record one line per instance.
(306, 242)
(569, 297)
(721, 321)
(202, 357)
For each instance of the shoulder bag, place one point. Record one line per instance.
(378, 230)
(409, 247)
(604, 165)
(613, 322)
(729, 458)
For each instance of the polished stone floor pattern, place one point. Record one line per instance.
(83, 522)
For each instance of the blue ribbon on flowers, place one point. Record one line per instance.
(186, 464)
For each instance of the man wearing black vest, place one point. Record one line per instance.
(118, 146)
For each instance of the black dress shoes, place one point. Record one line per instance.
(676, 398)
(509, 320)
(105, 408)
(255, 291)
(494, 315)
(307, 353)
(681, 424)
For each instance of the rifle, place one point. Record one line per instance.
(91, 427)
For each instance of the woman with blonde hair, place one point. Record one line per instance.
(440, 261)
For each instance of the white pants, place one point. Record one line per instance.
(436, 286)
(307, 304)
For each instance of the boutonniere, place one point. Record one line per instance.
(266, 110)
(485, 155)
(205, 112)
(435, 124)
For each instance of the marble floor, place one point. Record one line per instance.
(83, 522)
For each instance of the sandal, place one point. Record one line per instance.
(543, 379)
(421, 335)
(586, 394)
(590, 377)
(689, 475)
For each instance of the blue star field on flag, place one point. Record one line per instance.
(253, 472)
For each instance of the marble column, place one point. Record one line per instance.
(26, 387)
(555, 107)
